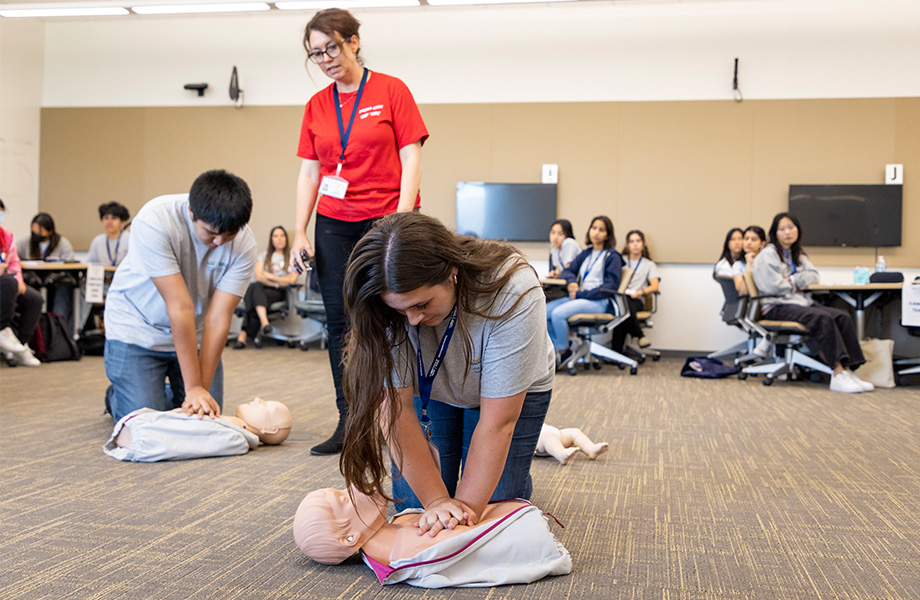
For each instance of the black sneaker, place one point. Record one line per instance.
(238, 345)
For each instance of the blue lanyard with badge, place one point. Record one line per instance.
(426, 378)
(333, 185)
(113, 260)
(587, 271)
(788, 256)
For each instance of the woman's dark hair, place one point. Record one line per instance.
(796, 250)
(401, 253)
(611, 240)
(758, 231)
(645, 252)
(566, 225)
(44, 221)
(726, 253)
(2, 205)
(333, 21)
(119, 211)
(271, 248)
(221, 200)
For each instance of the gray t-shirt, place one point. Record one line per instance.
(508, 356)
(103, 254)
(644, 271)
(163, 242)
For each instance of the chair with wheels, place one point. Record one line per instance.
(285, 329)
(310, 308)
(644, 317)
(733, 312)
(790, 334)
(595, 331)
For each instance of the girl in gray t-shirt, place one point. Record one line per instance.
(644, 282)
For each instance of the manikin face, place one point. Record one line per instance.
(209, 235)
(735, 243)
(786, 232)
(752, 243)
(270, 420)
(112, 225)
(335, 68)
(279, 239)
(428, 305)
(329, 527)
(635, 244)
(598, 233)
(556, 236)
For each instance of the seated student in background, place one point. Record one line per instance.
(273, 274)
(644, 281)
(168, 311)
(111, 247)
(783, 270)
(47, 244)
(731, 263)
(592, 278)
(20, 304)
(563, 247)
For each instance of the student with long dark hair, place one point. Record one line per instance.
(643, 282)
(783, 272)
(731, 262)
(47, 244)
(592, 279)
(462, 320)
(562, 246)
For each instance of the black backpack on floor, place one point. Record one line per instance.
(52, 340)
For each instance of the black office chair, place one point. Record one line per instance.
(310, 306)
(733, 312)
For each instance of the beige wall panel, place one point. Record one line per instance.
(821, 142)
(907, 153)
(90, 156)
(685, 173)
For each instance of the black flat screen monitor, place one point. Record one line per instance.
(514, 212)
(848, 215)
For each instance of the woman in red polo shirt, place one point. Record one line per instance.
(361, 143)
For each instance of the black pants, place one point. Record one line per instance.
(630, 326)
(334, 242)
(258, 294)
(831, 329)
(18, 311)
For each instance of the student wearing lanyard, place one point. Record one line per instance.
(643, 281)
(360, 142)
(111, 247)
(783, 271)
(592, 278)
(462, 320)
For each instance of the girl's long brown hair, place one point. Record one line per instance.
(401, 253)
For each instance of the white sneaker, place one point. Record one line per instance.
(9, 342)
(865, 385)
(762, 348)
(841, 382)
(26, 358)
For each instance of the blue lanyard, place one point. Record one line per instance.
(425, 381)
(109, 250)
(344, 134)
(789, 261)
(587, 271)
(634, 269)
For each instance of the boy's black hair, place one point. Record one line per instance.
(221, 200)
(119, 211)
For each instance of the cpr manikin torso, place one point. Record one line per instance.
(147, 435)
(511, 543)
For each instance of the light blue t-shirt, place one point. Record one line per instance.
(163, 242)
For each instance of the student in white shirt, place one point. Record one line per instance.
(731, 263)
(563, 247)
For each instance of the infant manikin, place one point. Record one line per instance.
(562, 444)
(147, 435)
(511, 543)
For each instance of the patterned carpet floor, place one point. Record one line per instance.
(711, 489)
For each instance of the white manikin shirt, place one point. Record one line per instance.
(524, 552)
(158, 435)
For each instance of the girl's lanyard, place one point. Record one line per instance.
(108, 250)
(591, 266)
(636, 268)
(425, 381)
(788, 256)
(344, 134)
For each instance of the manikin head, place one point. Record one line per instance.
(331, 525)
(270, 420)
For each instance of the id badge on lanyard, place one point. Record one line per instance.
(426, 379)
(335, 186)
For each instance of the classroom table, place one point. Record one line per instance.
(859, 296)
(76, 269)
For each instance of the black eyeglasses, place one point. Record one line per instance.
(332, 50)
